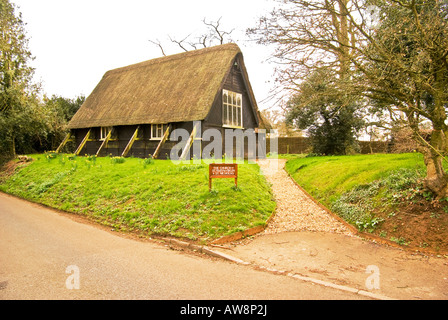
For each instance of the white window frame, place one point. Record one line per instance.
(159, 126)
(230, 107)
(104, 131)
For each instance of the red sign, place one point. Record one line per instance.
(222, 170)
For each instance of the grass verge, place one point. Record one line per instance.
(156, 197)
(382, 194)
(328, 177)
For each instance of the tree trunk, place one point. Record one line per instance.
(13, 147)
(436, 178)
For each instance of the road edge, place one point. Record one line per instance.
(217, 254)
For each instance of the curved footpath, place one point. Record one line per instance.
(306, 242)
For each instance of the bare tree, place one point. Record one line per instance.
(276, 119)
(213, 35)
(157, 43)
(309, 35)
(400, 61)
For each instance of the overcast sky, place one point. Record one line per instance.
(75, 42)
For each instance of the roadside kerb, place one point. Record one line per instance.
(202, 249)
(205, 250)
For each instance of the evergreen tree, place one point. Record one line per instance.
(17, 92)
(331, 120)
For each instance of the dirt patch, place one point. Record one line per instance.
(421, 224)
(8, 169)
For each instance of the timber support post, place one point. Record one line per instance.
(161, 143)
(189, 142)
(64, 142)
(106, 140)
(130, 143)
(82, 144)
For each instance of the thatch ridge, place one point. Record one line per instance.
(176, 88)
(177, 56)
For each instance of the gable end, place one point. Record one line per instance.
(236, 80)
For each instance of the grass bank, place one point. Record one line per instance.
(327, 178)
(381, 193)
(155, 197)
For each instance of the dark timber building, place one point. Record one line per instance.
(133, 110)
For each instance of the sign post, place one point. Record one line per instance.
(222, 170)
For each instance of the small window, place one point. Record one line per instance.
(157, 131)
(232, 113)
(104, 132)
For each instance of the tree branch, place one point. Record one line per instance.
(157, 43)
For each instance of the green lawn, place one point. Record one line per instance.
(382, 194)
(365, 190)
(327, 178)
(157, 197)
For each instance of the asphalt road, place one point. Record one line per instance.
(47, 255)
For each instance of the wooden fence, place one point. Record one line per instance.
(297, 145)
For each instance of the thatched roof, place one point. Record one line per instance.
(175, 88)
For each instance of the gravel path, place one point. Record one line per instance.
(295, 210)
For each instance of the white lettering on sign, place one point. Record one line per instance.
(223, 171)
